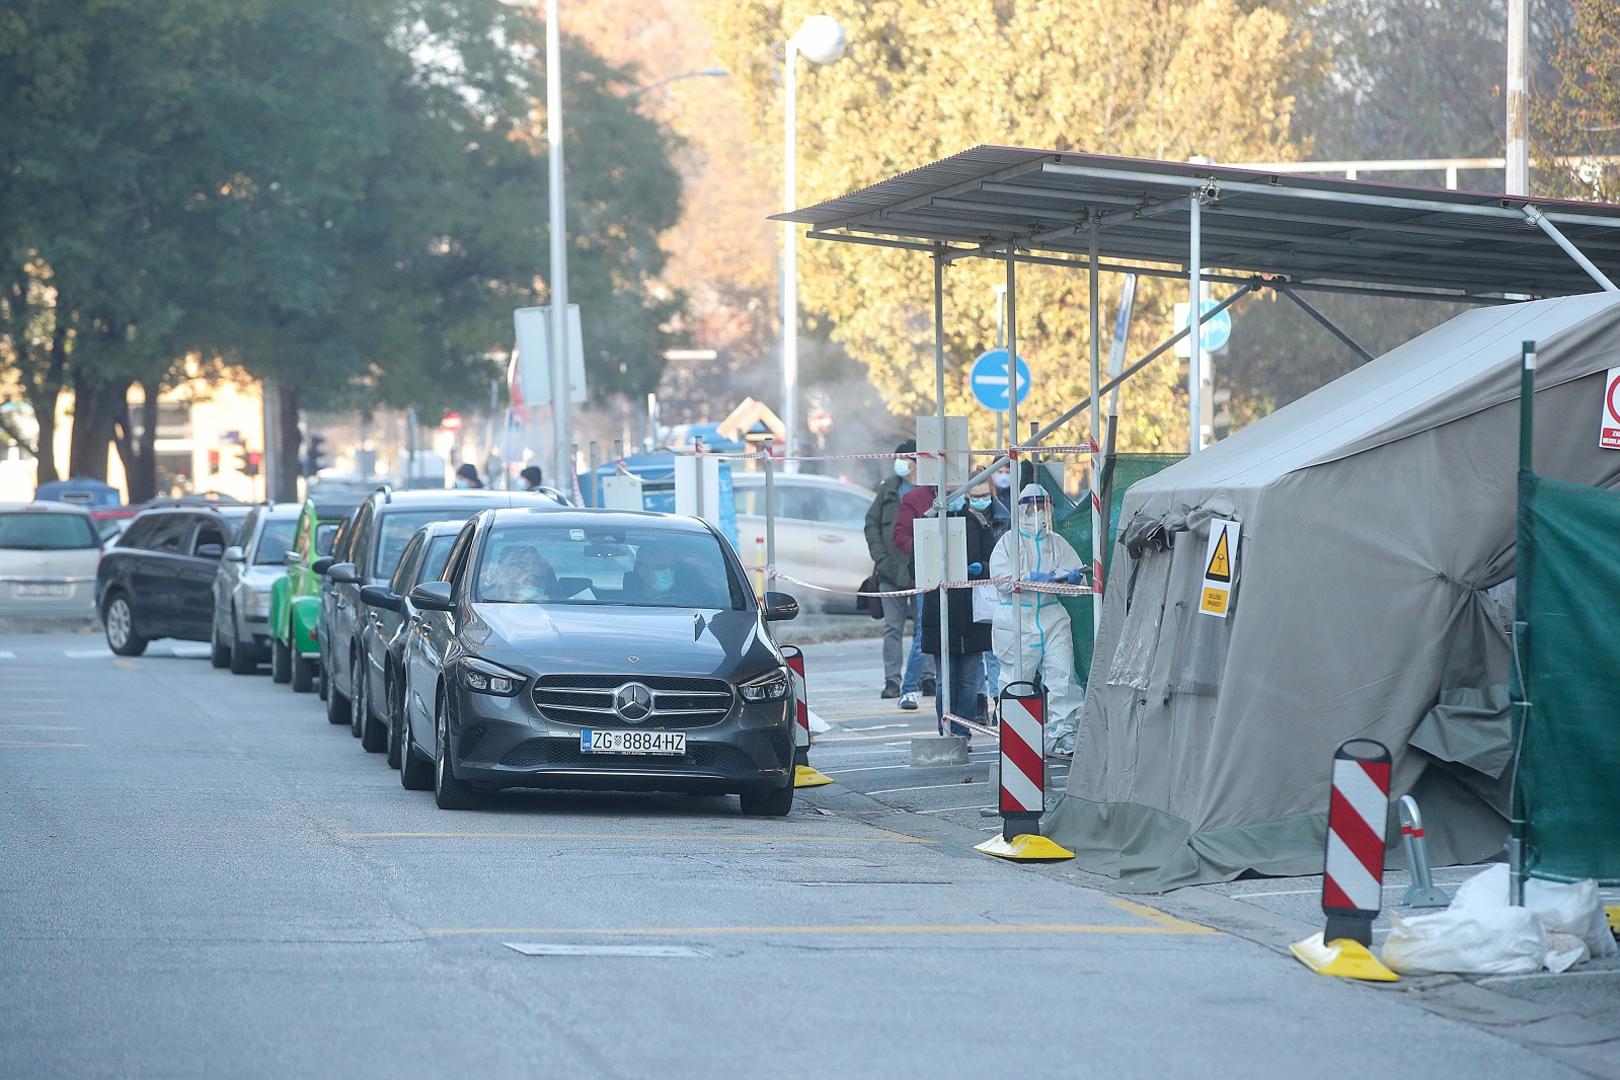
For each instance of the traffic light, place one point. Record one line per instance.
(248, 461)
(315, 455)
(213, 462)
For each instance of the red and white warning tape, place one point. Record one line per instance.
(1051, 587)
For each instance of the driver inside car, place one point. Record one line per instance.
(653, 578)
(519, 576)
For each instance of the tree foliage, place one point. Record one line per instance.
(1580, 118)
(347, 198)
(1152, 78)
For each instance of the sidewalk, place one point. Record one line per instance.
(1574, 1017)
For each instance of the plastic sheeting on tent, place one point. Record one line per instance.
(1376, 515)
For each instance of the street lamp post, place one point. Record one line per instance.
(821, 41)
(561, 388)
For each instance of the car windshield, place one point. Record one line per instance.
(275, 541)
(35, 531)
(396, 531)
(639, 567)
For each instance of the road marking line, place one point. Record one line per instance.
(1162, 918)
(39, 712)
(86, 654)
(7, 655)
(37, 727)
(920, 787)
(125, 663)
(689, 838)
(948, 809)
(864, 738)
(18, 744)
(880, 727)
(1160, 926)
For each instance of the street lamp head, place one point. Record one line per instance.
(820, 39)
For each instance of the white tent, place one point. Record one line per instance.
(1377, 516)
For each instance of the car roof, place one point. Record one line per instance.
(228, 513)
(450, 499)
(332, 509)
(570, 517)
(281, 512)
(46, 508)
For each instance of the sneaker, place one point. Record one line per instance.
(927, 688)
(890, 690)
(908, 701)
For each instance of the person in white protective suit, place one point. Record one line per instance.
(1046, 643)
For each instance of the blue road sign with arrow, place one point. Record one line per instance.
(991, 384)
(1214, 331)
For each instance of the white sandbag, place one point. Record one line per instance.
(1564, 951)
(1575, 908)
(1467, 941)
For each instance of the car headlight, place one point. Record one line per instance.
(770, 687)
(488, 678)
(258, 604)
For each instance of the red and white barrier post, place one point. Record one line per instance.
(1353, 867)
(1023, 777)
(803, 774)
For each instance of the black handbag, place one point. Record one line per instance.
(872, 605)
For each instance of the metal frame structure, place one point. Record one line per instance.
(1241, 226)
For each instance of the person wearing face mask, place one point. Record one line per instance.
(991, 511)
(1047, 645)
(653, 579)
(902, 677)
(467, 477)
(969, 640)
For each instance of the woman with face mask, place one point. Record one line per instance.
(1046, 643)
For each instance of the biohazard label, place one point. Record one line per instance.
(1609, 433)
(1220, 565)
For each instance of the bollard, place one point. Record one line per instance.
(1422, 892)
(1353, 869)
(803, 774)
(1022, 771)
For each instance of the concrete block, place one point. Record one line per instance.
(938, 750)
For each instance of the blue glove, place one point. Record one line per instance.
(1076, 576)
(1041, 575)
(975, 568)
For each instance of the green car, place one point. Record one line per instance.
(295, 599)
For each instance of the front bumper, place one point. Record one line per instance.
(504, 742)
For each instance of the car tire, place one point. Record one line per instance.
(337, 706)
(415, 767)
(357, 699)
(243, 661)
(373, 733)
(280, 661)
(394, 727)
(118, 617)
(219, 654)
(322, 681)
(448, 792)
(776, 803)
(303, 673)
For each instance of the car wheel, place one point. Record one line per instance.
(243, 661)
(357, 699)
(448, 792)
(219, 654)
(303, 673)
(337, 706)
(415, 767)
(119, 619)
(391, 716)
(768, 803)
(280, 661)
(373, 732)
(326, 689)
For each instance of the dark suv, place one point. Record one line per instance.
(369, 553)
(158, 580)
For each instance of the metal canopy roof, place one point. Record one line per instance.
(1308, 230)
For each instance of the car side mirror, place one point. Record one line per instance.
(209, 551)
(322, 564)
(433, 596)
(235, 554)
(780, 607)
(380, 596)
(344, 573)
(292, 558)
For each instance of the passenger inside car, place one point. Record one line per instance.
(517, 575)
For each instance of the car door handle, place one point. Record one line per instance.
(829, 538)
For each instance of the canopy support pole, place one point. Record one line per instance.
(1538, 219)
(1107, 387)
(943, 698)
(1195, 361)
(1096, 432)
(1311, 310)
(1015, 487)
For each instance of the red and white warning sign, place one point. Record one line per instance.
(1609, 433)
(1023, 768)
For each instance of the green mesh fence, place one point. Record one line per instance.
(1569, 597)
(1072, 520)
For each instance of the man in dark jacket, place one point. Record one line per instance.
(969, 641)
(894, 574)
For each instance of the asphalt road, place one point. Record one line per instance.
(200, 877)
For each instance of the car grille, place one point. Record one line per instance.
(719, 757)
(587, 700)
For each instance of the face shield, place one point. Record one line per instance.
(1034, 511)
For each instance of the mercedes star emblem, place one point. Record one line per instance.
(633, 702)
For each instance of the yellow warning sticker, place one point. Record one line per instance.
(1220, 568)
(1220, 561)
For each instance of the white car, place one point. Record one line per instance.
(820, 534)
(48, 557)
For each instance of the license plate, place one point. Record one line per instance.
(595, 741)
(44, 590)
